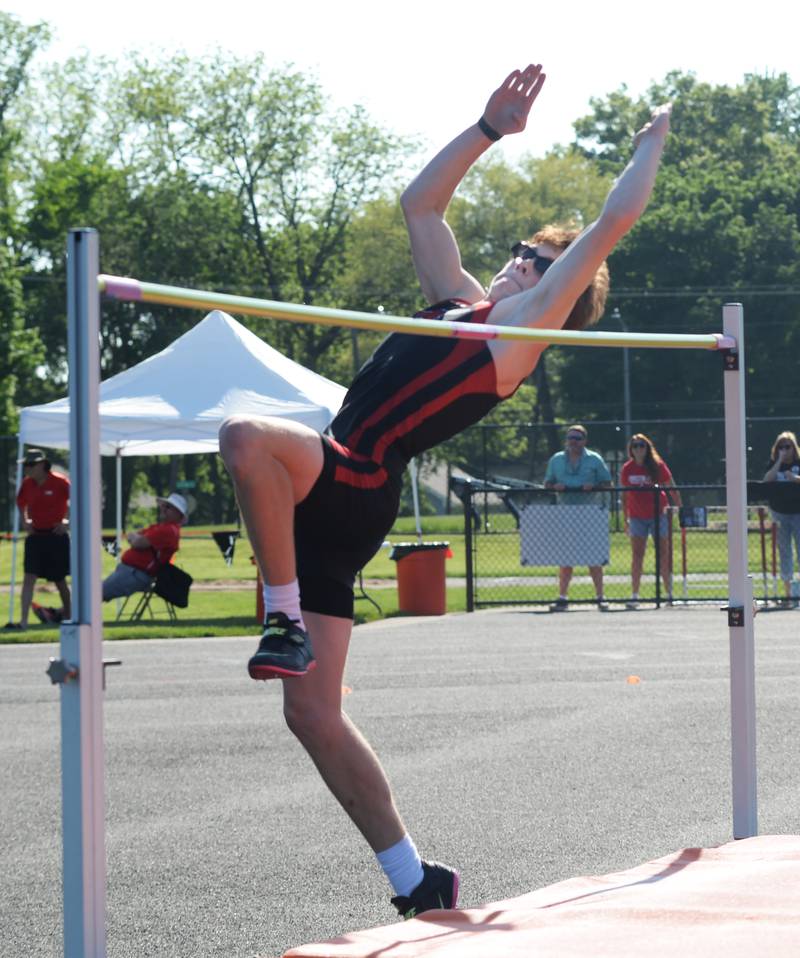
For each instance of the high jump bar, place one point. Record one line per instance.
(133, 290)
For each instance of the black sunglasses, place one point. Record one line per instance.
(638, 444)
(578, 437)
(784, 445)
(524, 251)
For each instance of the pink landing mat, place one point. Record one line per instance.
(737, 901)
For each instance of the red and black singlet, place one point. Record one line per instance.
(413, 393)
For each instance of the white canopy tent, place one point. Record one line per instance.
(174, 402)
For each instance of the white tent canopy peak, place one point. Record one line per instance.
(174, 402)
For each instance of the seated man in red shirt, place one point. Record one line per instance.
(150, 549)
(43, 501)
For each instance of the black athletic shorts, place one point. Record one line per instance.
(338, 528)
(47, 555)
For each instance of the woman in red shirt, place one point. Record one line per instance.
(642, 472)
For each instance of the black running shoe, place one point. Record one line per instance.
(284, 650)
(438, 889)
(43, 614)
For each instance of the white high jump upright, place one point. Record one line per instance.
(740, 587)
(82, 754)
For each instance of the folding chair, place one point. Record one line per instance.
(362, 593)
(170, 584)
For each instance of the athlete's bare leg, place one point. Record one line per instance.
(274, 463)
(351, 770)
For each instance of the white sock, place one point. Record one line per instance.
(402, 865)
(635, 596)
(286, 599)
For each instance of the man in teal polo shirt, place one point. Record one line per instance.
(580, 473)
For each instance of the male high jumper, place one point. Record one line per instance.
(317, 508)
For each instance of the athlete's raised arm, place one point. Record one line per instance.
(546, 300)
(433, 246)
(550, 301)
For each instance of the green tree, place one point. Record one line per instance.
(299, 172)
(177, 227)
(723, 225)
(18, 45)
(218, 174)
(19, 348)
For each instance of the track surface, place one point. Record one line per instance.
(517, 749)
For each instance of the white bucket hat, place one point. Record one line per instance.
(176, 500)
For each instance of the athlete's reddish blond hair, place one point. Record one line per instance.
(590, 304)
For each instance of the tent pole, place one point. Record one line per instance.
(412, 466)
(118, 456)
(15, 533)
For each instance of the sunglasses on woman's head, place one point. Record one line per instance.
(523, 250)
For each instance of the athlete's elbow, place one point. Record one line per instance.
(419, 206)
(411, 202)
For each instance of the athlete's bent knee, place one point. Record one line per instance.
(313, 727)
(237, 439)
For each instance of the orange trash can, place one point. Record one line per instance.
(421, 580)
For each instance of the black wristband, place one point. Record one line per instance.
(489, 131)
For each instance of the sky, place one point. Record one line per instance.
(425, 68)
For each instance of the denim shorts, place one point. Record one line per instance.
(646, 527)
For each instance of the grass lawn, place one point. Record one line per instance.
(223, 597)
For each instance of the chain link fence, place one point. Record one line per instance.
(518, 535)
(694, 449)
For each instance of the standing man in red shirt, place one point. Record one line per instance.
(43, 501)
(150, 549)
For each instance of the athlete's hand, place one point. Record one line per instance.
(508, 107)
(657, 125)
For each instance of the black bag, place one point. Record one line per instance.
(173, 584)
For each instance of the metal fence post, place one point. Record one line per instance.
(468, 506)
(657, 540)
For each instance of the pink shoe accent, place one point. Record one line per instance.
(265, 672)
